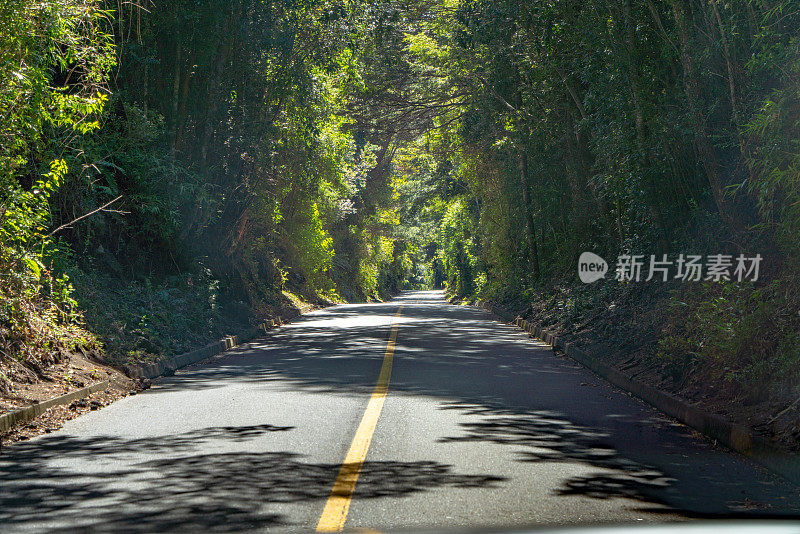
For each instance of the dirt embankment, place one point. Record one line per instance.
(70, 372)
(65, 371)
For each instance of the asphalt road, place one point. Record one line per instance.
(480, 427)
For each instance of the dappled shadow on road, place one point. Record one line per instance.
(522, 393)
(184, 491)
(542, 437)
(341, 348)
(63, 447)
(506, 392)
(665, 475)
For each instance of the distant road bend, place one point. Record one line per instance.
(409, 414)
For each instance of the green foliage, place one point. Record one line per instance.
(312, 250)
(56, 56)
(738, 334)
(459, 261)
(349, 150)
(150, 319)
(774, 131)
(54, 61)
(610, 126)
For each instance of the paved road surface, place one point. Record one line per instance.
(481, 426)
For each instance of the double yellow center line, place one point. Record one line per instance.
(335, 513)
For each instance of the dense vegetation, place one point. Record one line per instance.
(343, 150)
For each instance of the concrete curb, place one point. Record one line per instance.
(23, 415)
(734, 436)
(169, 366)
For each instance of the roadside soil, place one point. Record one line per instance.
(73, 371)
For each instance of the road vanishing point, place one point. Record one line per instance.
(408, 414)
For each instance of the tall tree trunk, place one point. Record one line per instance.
(145, 88)
(644, 155)
(666, 36)
(705, 148)
(577, 161)
(526, 199)
(222, 56)
(180, 119)
(633, 73)
(176, 85)
(730, 65)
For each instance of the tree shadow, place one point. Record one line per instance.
(694, 487)
(523, 394)
(502, 390)
(225, 492)
(340, 348)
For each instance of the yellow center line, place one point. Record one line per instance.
(335, 513)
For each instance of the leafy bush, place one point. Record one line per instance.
(45, 111)
(736, 334)
(459, 259)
